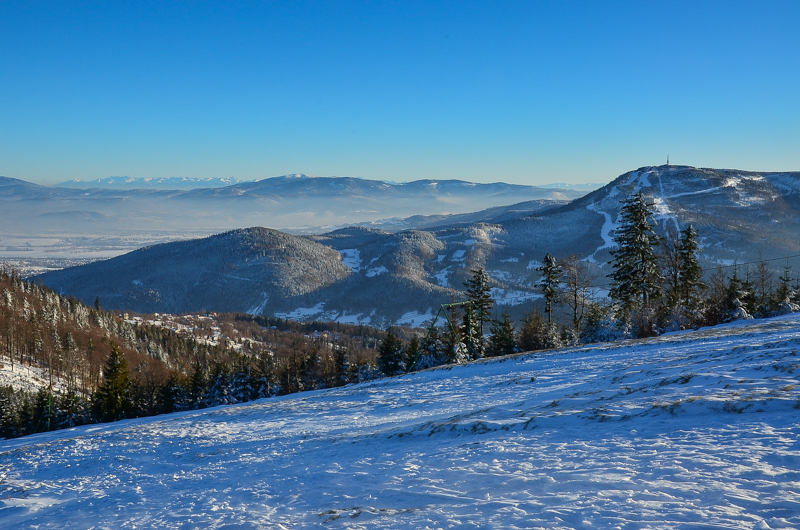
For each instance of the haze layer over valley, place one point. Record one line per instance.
(48, 228)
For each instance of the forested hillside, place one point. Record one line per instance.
(65, 364)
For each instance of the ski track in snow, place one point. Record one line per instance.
(605, 231)
(258, 309)
(688, 430)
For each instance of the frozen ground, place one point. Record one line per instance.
(691, 430)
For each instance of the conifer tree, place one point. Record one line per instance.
(390, 355)
(173, 395)
(112, 400)
(548, 284)
(43, 413)
(635, 278)
(736, 296)
(502, 340)
(689, 271)
(71, 410)
(412, 350)
(219, 388)
(480, 294)
(432, 352)
(10, 424)
(242, 387)
(266, 374)
(796, 290)
(748, 297)
(784, 291)
(198, 385)
(470, 332)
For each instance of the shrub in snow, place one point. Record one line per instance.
(602, 326)
(788, 307)
(739, 313)
(537, 334)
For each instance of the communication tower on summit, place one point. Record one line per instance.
(667, 159)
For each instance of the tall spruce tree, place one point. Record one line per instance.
(548, 284)
(784, 292)
(736, 292)
(689, 271)
(411, 352)
(480, 294)
(502, 340)
(112, 400)
(390, 355)
(635, 276)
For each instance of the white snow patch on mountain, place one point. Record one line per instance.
(458, 255)
(352, 258)
(512, 297)
(699, 192)
(303, 313)
(258, 309)
(415, 319)
(501, 275)
(345, 318)
(376, 271)
(660, 207)
(441, 277)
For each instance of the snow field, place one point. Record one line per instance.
(691, 430)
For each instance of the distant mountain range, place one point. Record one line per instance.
(164, 183)
(366, 275)
(187, 183)
(294, 203)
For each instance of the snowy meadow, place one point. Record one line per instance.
(692, 430)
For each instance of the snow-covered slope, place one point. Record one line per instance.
(689, 430)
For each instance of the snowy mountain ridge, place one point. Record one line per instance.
(689, 429)
(294, 203)
(402, 277)
(165, 183)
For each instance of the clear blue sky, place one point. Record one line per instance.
(524, 92)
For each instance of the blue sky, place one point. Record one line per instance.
(523, 92)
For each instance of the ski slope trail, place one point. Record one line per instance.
(693, 429)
